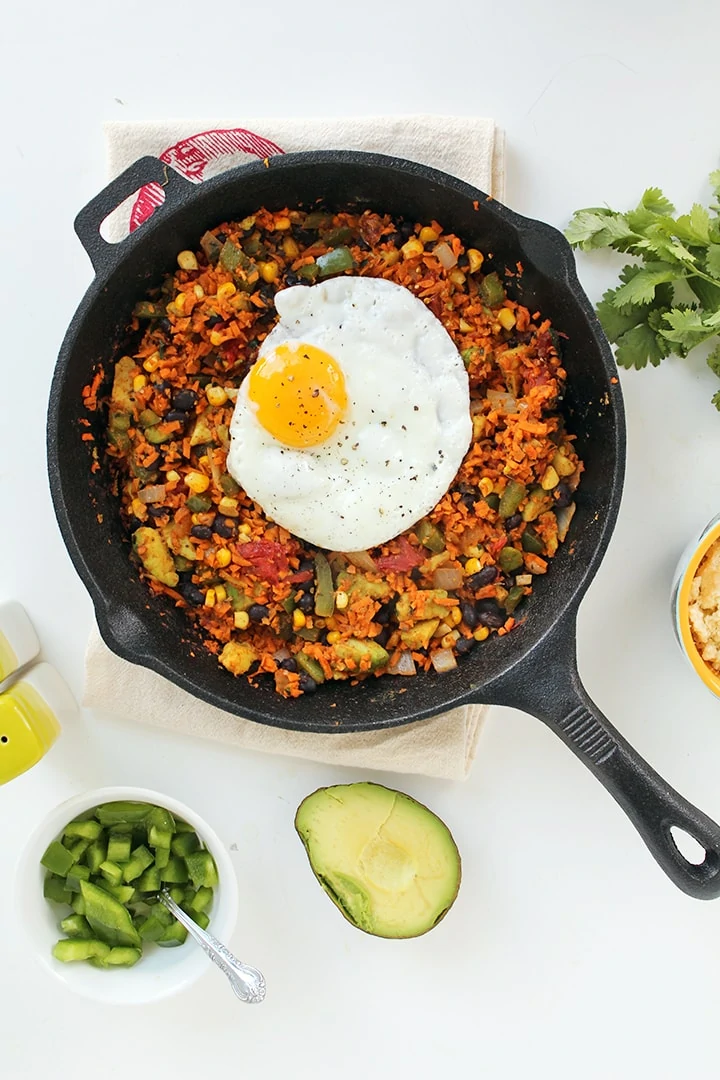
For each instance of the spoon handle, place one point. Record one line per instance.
(247, 982)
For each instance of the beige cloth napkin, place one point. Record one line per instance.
(468, 147)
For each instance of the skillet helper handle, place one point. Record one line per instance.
(144, 171)
(557, 697)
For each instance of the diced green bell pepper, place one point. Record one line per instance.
(324, 590)
(162, 857)
(149, 881)
(177, 893)
(510, 559)
(159, 838)
(492, 290)
(511, 498)
(57, 859)
(202, 900)
(513, 598)
(76, 926)
(112, 873)
(122, 956)
(139, 861)
(202, 870)
(335, 262)
(96, 854)
(107, 916)
(185, 844)
(173, 936)
(176, 871)
(77, 848)
(85, 830)
(119, 847)
(430, 536)
(55, 889)
(75, 875)
(70, 950)
(531, 542)
(114, 813)
(202, 919)
(78, 904)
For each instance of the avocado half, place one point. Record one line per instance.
(386, 861)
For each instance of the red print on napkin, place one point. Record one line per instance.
(191, 157)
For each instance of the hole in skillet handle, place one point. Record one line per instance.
(146, 170)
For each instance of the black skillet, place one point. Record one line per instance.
(534, 668)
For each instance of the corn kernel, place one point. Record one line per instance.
(139, 382)
(216, 395)
(216, 338)
(196, 519)
(465, 326)
(282, 224)
(187, 261)
(197, 482)
(179, 303)
(333, 637)
(473, 552)
(428, 235)
(390, 258)
(411, 248)
(449, 640)
(506, 318)
(268, 271)
(210, 598)
(454, 616)
(204, 460)
(475, 259)
(199, 291)
(245, 529)
(226, 290)
(486, 486)
(220, 593)
(478, 426)
(241, 620)
(298, 619)
(341, 600)
(172, 477)
(481, 633)
(550, 479)
(152, 363)
(139, 509)
(290, 248)
(228, 506)
(223, 557)
(472, 566)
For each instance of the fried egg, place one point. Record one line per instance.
(355, 418)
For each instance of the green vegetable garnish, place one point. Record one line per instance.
(669, 301)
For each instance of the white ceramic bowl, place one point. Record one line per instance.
(684, 574)
(160, 973)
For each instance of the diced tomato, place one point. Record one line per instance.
(267, 558)
(299, 576)
(405, 559)
(496, 548)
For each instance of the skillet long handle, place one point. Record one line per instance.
(555, 694)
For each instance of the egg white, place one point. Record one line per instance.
(402, 439)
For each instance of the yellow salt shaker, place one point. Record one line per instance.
(29, 724)
(18, 641)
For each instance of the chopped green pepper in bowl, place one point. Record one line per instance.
(87, 885)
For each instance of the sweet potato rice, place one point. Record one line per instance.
(268, 603)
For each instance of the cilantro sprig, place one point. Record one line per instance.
(669, 300)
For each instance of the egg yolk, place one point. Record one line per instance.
(299, 394)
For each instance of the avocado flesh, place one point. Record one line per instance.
(388, 863)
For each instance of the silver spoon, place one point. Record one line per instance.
(247, 982)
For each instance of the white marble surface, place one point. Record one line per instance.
(568, 954)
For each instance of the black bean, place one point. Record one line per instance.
(224, 527)
(306, 603)
(305, 236)
(463, 260)
(176, 414)
(464, 645)
(290, 664)
(201, 532)
(394, 238)
(133, 524)
(213, 320)
(384, 614)
(291, 279)
(489, 613)
(185, 576)
(383, 637)
(222, 237)
(267, 292)
(307, 586)
(468, 501)
(165, 325)
(483, 577)
(307, 684)
(258, 612)
(513, 521)
(184, 400)
(469, 614)
(305, 565)
(192, 595)
(415, 574)
(407, 229)
(363, 244)
(158, 511)
(562, 495)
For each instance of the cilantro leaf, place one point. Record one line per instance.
(685, 326)
(716, 400)
(715, 183)
(693, 228)
(712, 261)
(638, 346)
(713, 361)
(597, 227)
(654, 200)
(640, 289)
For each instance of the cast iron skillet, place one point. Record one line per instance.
(533, 668)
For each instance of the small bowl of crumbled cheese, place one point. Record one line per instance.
(696, 604)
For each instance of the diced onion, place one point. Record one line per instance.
(447, 577)
(500, 399)
(404, 665)
(361, 559)
(155, 493)
(445, 255)
(564, 516)
(282, 654)
(443, 660)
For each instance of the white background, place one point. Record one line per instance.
(568, 954)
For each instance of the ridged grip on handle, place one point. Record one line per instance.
(146, 170)
(552, 691)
